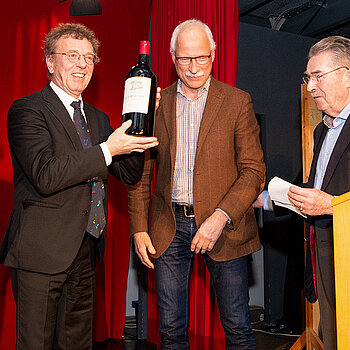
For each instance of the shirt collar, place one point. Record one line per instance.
(201, 91)
(64, 97)
(341, 118)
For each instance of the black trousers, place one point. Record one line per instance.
(326, 295)
(56, 311)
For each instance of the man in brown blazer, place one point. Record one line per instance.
(210, 170)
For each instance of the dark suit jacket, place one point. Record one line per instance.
(52, 178)
(336, 182)
(229, 172)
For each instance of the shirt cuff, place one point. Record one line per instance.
(106, 153)
(267, 202)
(228, 218)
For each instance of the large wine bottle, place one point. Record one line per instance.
(140, 95)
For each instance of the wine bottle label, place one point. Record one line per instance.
(136, 95)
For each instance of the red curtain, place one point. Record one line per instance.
(222, 17)
(120, 28)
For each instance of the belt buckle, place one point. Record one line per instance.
(185, 212)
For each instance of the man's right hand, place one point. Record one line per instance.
(120, 143)
(259, 202)
(143, 245)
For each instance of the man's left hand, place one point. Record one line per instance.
(310, 201)
(208, 233)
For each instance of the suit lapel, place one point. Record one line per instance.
(212, 106)
(58, 110)
(317, 148)
(339, 148)
(169, 116)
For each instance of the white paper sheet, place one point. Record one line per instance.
(278, 189)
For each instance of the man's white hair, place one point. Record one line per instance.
(181, 26)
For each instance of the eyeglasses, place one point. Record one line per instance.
(74, 57)
(185, 61)
(317, 77)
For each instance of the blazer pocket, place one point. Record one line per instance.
(44, 204)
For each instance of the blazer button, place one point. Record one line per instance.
(85, 212)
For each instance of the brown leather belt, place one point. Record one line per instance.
(187, 210)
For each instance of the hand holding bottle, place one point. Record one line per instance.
(158, 97)
(120, 143)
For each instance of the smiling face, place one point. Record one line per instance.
(73, 78)
(193, 41)
(332, 92)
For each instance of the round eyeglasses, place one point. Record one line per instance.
(317, 77)
(74, 57)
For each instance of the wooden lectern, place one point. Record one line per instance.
(341, 238)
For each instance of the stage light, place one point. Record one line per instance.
(84, 7)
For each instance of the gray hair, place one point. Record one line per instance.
(75, 30)
(339, 46)
(181, 26)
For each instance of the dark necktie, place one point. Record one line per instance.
(313, 255)
(97, 218)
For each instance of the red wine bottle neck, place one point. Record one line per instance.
(143, 60)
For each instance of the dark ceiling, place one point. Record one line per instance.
(314, 18)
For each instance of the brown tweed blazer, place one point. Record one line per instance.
(229, 172)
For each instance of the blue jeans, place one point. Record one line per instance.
(229, 278)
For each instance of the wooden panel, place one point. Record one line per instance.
(310, 117)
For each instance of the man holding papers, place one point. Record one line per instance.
(328, 80)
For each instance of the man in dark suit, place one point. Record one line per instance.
(62, 150)
(328, 80)
(210, 170)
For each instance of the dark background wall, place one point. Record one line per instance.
(270, 66)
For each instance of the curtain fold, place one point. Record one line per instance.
(120, 28)
(222, 17)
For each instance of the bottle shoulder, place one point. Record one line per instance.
(140, 71)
